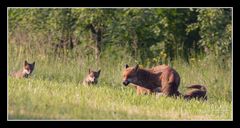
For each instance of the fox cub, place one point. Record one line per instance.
(26, 71)
(92, 77)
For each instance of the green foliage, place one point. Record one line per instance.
(215, 28)
(146, 33)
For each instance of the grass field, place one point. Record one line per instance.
(54, 91)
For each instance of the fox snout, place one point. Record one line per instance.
(92, 79)
(126, 82)
(26, 71)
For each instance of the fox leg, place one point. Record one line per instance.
(160, 94)
(142, 90)
(166, 88)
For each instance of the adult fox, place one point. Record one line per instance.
(161, 79)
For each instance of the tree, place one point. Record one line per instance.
(214, 27)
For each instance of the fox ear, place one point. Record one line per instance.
(126, 66)
(136, 67)
(33, 63)
(99, 71)
(25, 63)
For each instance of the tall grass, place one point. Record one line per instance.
(55, 89)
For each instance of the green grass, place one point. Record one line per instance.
(54, 91)
(42, 99)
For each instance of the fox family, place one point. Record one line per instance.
(161, 79)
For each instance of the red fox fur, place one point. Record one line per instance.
(25, 72)
(92, 77)
(160, 79)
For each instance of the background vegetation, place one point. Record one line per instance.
(66, 42)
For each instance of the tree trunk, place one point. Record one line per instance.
(97, 37)
(135, 43)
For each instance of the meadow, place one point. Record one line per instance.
(55, 91)
(66, 42)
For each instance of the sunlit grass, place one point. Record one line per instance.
(55, 91)
(39, 99)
